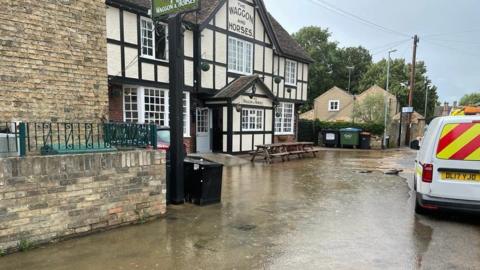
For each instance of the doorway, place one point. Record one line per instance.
(217, 130)
(203, 130)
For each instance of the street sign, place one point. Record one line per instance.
(160, 8)
(407, 109)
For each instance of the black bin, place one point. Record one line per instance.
(203, 181)
(331, 137)
(365, 140)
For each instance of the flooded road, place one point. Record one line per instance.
(338, 211)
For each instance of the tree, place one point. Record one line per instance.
(315, 41)
(331, 62)
(357, 57)
(399, 83)
(470, 99)
(371, 110)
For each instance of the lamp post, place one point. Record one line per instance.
(386, 99)
(350, 70)
(427, 84)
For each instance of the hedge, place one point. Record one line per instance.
(308, 130)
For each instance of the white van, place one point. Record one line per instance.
(448, 165)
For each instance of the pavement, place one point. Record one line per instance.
(337, 211)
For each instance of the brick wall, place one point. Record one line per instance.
(115, 109)
(53, 197)
(53, 60)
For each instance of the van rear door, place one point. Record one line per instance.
(457, 160)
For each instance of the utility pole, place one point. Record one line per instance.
(412, 87)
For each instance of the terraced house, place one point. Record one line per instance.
(244, 75)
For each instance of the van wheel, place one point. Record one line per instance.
(419, 209)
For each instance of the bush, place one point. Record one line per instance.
(308, 130)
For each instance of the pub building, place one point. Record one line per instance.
(245, 76)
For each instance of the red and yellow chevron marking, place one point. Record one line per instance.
(460, 142)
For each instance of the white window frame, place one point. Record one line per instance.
(162, 115)
(141, 107)
(285, 127)
(246, 69)
(290, 72)
(130, 111)
(153, 56)
(330, 102)
(203, 121)
(252, 125)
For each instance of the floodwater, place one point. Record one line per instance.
(338, 211)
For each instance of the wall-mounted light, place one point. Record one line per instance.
(276, 102)
(205, 66)
(277, 79)
(238, 108)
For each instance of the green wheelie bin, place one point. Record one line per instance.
(350, 137)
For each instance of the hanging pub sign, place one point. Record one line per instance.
(241, 18)
(161, 8)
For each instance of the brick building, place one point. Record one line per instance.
(53, 61)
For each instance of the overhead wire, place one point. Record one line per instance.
(458, 50)
(391, 46)
(350, 15)
(452, 33)
(454, 41)
(388, 44)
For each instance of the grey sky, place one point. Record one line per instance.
(451, 52)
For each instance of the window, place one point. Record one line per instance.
(252, 120)
(240, 56)
(333, 105)
(130, 107)
(154, 40)
(150, 105)
(156, 109)
(203, 123)
(291, 72)
(284, 119)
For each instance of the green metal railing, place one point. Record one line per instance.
(75, 138)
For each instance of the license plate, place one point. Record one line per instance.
(458, 176)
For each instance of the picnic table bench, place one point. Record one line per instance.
(284, 151)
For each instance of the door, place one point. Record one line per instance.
(203, 130)
(217, 130)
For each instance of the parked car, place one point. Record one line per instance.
(447, 168)
(163, 139)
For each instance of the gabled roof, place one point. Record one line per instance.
(373, 89)
(207, 8)
(287, 46)
(335, 88)
(240, 85)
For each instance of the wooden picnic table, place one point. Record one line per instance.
(283, 150)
